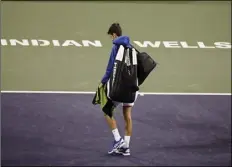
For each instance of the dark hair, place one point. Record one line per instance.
(115, 28)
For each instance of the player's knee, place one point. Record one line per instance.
(107, 117)
(127, 118)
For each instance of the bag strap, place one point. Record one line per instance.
(139, 52)
(135, 48)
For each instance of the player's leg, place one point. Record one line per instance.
(125, 150)
(113, 126)
(128, 130)
(111, 122)
(118, 140)
(128, 120)
(127, 109)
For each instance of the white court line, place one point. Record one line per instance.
(91, 92)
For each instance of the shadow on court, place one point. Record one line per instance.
(59, 129)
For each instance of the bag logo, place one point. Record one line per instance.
(114, 72)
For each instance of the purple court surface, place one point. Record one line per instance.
(64, 129)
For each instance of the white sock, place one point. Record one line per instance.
(116, 134)
(127, 141)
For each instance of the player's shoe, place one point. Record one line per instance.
(123, 151)
(116, 145)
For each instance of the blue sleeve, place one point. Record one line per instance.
(110, 64)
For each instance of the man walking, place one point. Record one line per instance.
(120, 145)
